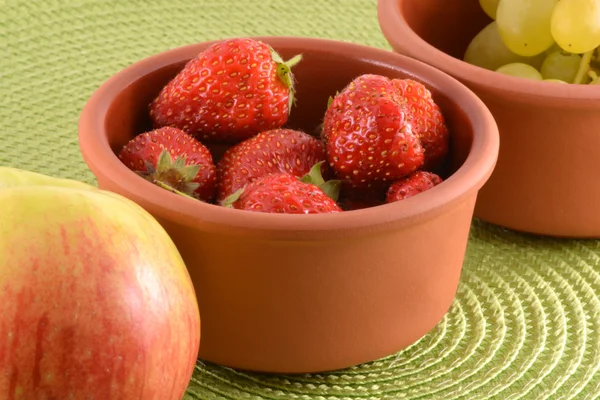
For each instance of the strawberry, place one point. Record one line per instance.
(192, 173)
(369, 134)
(287, 194)
(412, 185)
(428, 121)
(279, 150)
(229, 92)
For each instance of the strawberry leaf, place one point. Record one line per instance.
(291, 102)
(149, 167)
(294, 61)
(175, 177)
(179, 163)
(190, 187)
(189, 172)
(314, 176)
(275, 56)
(329, 101)
(284, 73)
(232, 198)
(330, 188)
(164, 162)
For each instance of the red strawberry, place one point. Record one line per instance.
(428, 121)
(229, 92)
(369, 134)
(192, 173)
(286, 194)
(279, 150)
(412, 185)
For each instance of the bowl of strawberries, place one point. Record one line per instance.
(320, 192)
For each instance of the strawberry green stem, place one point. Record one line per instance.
(171, 189)
(284, 73)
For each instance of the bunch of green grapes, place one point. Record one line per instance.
(547, 40)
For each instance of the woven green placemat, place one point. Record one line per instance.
(526, 321)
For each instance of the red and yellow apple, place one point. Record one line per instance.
(95, 300)
(14, 177)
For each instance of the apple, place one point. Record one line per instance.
(11, 177)
(95, 300)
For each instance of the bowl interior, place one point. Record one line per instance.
(447, 28)
(319, 75)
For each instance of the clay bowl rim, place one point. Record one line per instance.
(466, 180)
(395, 28)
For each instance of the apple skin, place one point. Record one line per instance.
(15, 177)
(95, 300)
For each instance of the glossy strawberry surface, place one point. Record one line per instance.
(412, 185)
(285, 194)
(369, 134)
(229, 92)
(428, 121)
(279, 150)
(147, 147)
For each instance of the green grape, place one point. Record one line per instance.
(524, 25)
(575, 25)
(490, 7)
(552, 49)
(487, 50)
(561, 66)
(520, 70)
(555, 81)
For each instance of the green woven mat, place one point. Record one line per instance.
(526, 322)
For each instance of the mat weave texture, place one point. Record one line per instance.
(526, 321)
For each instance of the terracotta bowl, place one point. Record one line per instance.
(306, 293)
(546, 181)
